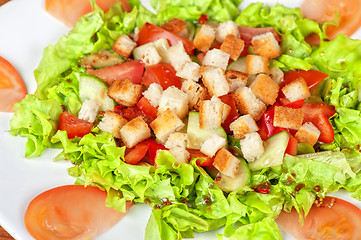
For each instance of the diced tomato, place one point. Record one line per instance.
(149, 33)
(312, 77)
(153, 148)
(70, 212)
(292, 146)
(163, 74)
(144, 105)
(132, 70)
(203, 19)
(132, 112)
(266, 122)
(69, 11)
(233, 114)
(208, 161)
(12, 88)
(75, 127)
(136, 153)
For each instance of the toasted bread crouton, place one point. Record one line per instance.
(195, 92)
(176, 26)
(189, 70)
(212, 145)
(286, 117)
(247, 103)
(277, 75)
(210, 114)
(174, 99)
(252, 146)
(296, 90)
(153, 94)
(112, 123)
(266, 45)
(166, 123)
(214, 80)
(204, 38)
(308, 133)
(177, 56)
(89, 110)
(236, 79)
(256, 64)
(134, 132)
(124, 46)
(125, 92)
(181, 155)
(233, 46)
(149, 55)
(226, 108)
(265, 89)
(216, 58)
(243, 125)
(226, 162)
(226, 28)
(177, 140)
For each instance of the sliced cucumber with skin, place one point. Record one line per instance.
(196, 135)
(160, 44)
(273, 153)
(241, 179)
(93, 88)
(239, 65)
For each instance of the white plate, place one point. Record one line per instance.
(26, 29)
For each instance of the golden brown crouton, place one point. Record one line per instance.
(266, 45)
(265, 89)
(296, 90)
(176, 26)
(248, 103)
(236, 79)
(214, 80)
(134, 132)
(226, 162)
(210, 114)
(233, 46)
(125, 92)
(165, 124)
(256, 64)
(124, 46)
(204, 38)
(286, 117)
(308, 133)
(112, 123)
(195, 92)
(243, 125)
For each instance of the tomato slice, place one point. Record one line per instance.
(70, 212)
(335, 219)
(153, 148)
(132, 112)
(69, 11)
(12, 88)
(150, 33)
(233, 114)
(75, 127)
(163, 74)
(136, 153)
(132, 70)
(144, 105)
(312, 77)
(208, 161)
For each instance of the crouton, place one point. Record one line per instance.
(236, 79)
(176, 26)
(226, 162)
(125, 92)
(247, 103)
(134, 132)
(296, 90)
(226, 108)
(252, 146)
(177, 140)
(145, 52)
(181, 155)
(216, 58)
(189, 70)
(177, 56)
(212, 113)
(195, 93)
(174, 99)
(277, 75)
(265, 89)
(166, 123)
(124, 46)
(214, 80)
(149, 55)
(212, 145)
(286, 117)
(233, 46)
(89, 110)
(204, 38)
(243, 125)
(153, 94)
(256, 64)
(226, 28)
(266, 45)
(308, 133)
(112, 123)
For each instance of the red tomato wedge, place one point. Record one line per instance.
(324, 10)
(312, 77)
(150, 33)
(12, 88)
(144, 105)
(163, 73)
(208, 161)
(70, 212)
(233, 114)
(74, 126)
(132, 70)
(335, 219)
(69, 11)
(136, 153)
(153, 148)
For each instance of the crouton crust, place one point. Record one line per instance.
(265, 89)
(226, 162)
(308, 133)
(233, 46)
(286, 117)
(214, 79)
(256, 64)
(210, 114)
(165, 124)
(204, 38)
(176, 26)
(195, 92)
(236, 79)
(266, 45)
(112, 122)
(243, 125)
(248, 103)
(296, 90)
(125, 92)
(124, 46)
(134, 132)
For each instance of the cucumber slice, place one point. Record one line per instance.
(273, 152)
(93, 88)
(242, 178)
(304, 148)
(239, 65)
(160, 44)
(197, 136)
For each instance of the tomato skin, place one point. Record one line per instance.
(163, 73)
(153, 148)
(335, 219)
(208, 161)
(136, 153)
(233, 114)
(312, 77)
(12, 87)
(70, 212)
(132, 70)
(132, 112)
(74, 126)
(149, 33)
(144, 105)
